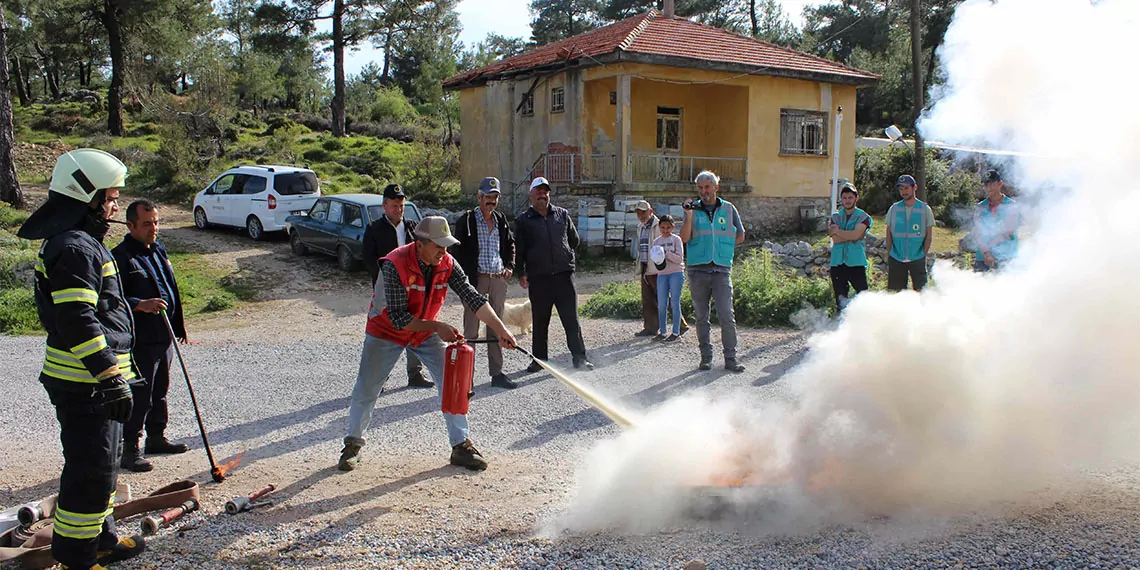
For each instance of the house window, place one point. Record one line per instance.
(557, 100)
(803, 132)
(668, 129)
(526, 107)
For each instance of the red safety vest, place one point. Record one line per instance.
(424, 300)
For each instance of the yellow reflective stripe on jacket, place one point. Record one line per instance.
(63, 357)
(110, 269)
(76, 373)
(80, 525)
(40, 267)
(75, 296)
(90, 347)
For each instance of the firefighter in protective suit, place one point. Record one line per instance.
(87, 362)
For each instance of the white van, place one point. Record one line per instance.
(257, 198)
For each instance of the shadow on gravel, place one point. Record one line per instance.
(585, 420)
(777, 371)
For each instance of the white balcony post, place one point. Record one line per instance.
(625, 173)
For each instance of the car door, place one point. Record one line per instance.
(330, 229)
(254, 200)
(351, 232)
(309, 228)
(215, 210)
(232, 202)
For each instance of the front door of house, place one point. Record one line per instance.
(668, 161)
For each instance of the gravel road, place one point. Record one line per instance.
(273, 381)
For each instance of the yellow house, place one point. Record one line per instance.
(641, 106)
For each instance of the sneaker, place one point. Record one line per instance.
(349, 457)
(645, 333)
(534, 367)
(126, 549)
(731, 365)
(417, 380)
(706, 363)
(501, 381)
(162, 446)
(672, 338)
(134, 461)
(465, 455)
(583, 363)
(659, 337)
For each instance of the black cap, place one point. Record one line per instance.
(991, 176)
(848, 187)
(394, 191)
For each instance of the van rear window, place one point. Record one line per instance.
(295, 183)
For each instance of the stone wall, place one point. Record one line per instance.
(807, 261)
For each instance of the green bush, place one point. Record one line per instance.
(217, 303)
(316, 155)
(763, 296)
(332, 145)
(391, 106)
(947, 188)
(10, 217)
(18, 312)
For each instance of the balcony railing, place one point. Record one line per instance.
(576, 168)
(683, 169)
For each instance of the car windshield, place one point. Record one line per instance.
(295, 183)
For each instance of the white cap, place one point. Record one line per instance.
(657, 255)
(540, 181)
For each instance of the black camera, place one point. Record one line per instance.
(689, 205)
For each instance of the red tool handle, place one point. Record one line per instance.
(262, 492)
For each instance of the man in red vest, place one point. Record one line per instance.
(415, 279)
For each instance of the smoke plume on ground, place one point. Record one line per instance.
(982, 388)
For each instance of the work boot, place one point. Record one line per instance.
(731, 365)
(581, 362)
(534, 366)
(133, 460)
(645, 333)
(706, 363)
(501, 381)
(349, 457)
(95, 567)
(417, 380)
(162, 446)
(465, 455)
(126, 549)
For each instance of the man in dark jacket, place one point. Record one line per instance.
(87, 361)
(486, 252)
(546, 239)
(380, 238)
(150, 286)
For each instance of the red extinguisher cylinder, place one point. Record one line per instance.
(458, 371)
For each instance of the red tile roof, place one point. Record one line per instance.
(653, 38)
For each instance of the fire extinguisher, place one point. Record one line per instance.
(458, 371)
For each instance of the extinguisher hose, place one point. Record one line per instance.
(480, 340)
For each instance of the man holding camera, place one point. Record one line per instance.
(711, 232)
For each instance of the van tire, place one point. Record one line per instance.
(254, 229)
(344, 258)
(200, 220)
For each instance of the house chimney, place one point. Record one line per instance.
(668, 8)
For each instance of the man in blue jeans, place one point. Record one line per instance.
(711, 233)
(413, 281)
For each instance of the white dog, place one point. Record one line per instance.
(517, 318)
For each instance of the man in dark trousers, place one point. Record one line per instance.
(150, 286)
(545, 240)
(87, 361)
(380, 238)
(486, 252)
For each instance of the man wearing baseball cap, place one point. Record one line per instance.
(486, 251)
(546, 239)
(996, 219)
(415, 279)
(910, 228)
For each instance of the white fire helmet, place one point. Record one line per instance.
(657, 255)
(81, 173)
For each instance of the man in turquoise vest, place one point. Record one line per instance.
(994, 237)
(910, 228)
(711, 233)
(848, 256)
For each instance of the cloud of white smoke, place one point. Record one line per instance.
(982, 388)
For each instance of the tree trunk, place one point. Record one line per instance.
(917, 88)
(46, 69)
(385, 78)
(338, 69)
(9, 184)
(21, 82)
(182, 79)
(110, 17)
(752, 15)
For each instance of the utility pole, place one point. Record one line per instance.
(916, 75)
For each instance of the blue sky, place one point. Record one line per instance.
(509, 18)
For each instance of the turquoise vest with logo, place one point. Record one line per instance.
(850, 253)
(908, 235)
(713, 240)
(992, 224)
